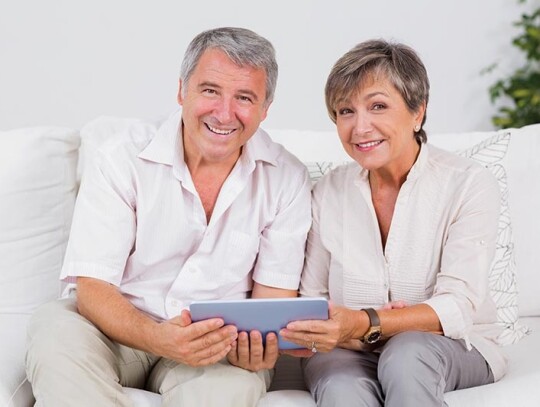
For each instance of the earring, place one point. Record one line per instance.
(417, 128)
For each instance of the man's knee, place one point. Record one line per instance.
(55, 334)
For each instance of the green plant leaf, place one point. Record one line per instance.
(522, 87)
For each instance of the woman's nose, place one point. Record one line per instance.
(363, 123)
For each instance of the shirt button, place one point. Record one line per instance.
(174, 303)
(482, 242)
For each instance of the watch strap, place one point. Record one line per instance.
(373, 317)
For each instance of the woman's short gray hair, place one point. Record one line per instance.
(397, 62)
(244, 47)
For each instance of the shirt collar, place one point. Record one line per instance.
(166, 146)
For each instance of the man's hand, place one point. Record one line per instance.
(249, 353)
(195, 344)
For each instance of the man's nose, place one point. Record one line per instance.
(224, 110)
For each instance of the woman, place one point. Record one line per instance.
(401, 243)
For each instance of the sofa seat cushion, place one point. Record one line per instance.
(143, 398)
(519, 387)
(15, 391)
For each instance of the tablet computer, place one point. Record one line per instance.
(262, 314)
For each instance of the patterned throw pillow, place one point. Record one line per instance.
(502, 278)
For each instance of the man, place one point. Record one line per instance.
(206, 206)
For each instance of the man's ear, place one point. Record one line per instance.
(265, 112)
(179, 97)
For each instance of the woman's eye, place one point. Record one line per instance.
(344, 111)
(378, 106)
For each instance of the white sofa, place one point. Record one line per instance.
(38, 180)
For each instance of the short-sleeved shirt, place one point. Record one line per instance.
(439, 248)
(139, 223)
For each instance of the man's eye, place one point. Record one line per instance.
(209, 91)
(245, 99)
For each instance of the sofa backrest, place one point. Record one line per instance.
(37, 195)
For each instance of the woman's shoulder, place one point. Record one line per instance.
(452, 161)
(458, 169)
(338, 175)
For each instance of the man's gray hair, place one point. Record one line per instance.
(244, 47)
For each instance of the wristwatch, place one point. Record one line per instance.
(374, 332)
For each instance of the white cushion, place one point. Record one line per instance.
(492, 153)
(143, 398)
(15, 391)
(37, 194)
(524, 201)
(287, 398)
(520, 385)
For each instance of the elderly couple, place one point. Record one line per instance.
(207, 206)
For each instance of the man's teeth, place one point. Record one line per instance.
(370, 144)
(219, 131)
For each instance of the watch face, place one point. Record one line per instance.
(373, 337)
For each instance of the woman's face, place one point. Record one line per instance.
(376, 127)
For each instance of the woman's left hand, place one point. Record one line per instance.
(324, 335)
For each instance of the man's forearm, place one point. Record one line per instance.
(102, 304)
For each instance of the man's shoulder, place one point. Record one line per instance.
(134, 137)
(130, 140)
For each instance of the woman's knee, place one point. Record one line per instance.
(408, 358)
(406, 350)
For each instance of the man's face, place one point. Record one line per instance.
(223, 105)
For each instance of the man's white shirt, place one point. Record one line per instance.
(139, 223)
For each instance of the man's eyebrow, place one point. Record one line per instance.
(248, 92)
(208, 84)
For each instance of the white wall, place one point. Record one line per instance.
(64, 62)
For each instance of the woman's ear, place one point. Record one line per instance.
(419, 116)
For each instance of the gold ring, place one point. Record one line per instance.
(313, 347)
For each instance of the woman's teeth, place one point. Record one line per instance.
(369, 144)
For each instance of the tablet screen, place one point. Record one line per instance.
(262, 314)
